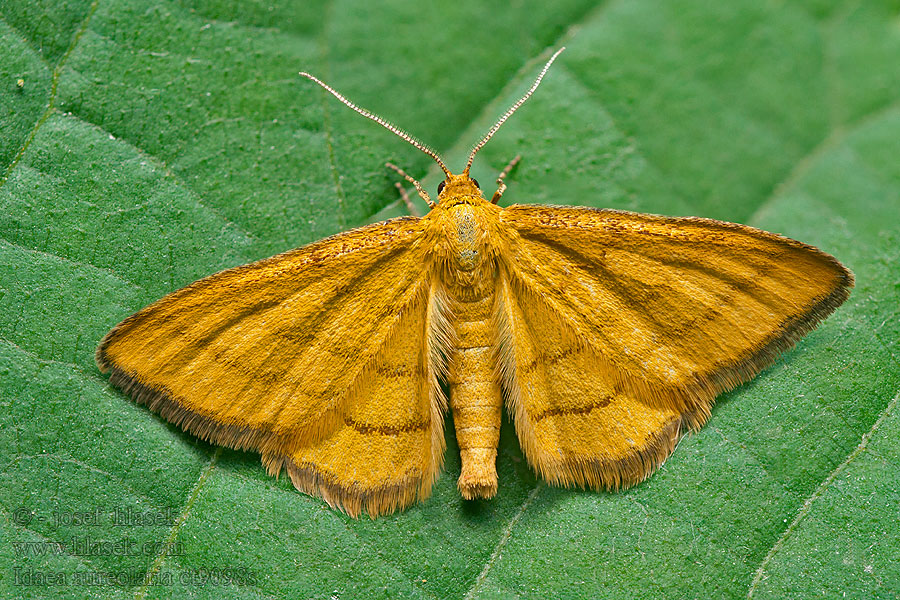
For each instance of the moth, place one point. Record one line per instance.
(605, 334)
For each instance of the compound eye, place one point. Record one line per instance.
(475, 181)
(441, 187)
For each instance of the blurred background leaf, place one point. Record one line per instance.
(145, 144)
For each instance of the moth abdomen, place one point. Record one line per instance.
(475, 397)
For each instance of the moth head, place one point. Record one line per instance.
(458, 185)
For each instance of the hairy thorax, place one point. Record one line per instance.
(467, 253)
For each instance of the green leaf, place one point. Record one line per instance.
(151, 143)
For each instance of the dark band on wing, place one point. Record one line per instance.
(368, 429)
(549, 358)
(601, 402)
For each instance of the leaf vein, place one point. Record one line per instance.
(54, 85)
(831, 141)
(75, 461)
(71, 261)
(160, 558)
(24, 39)
(818, 493)
(501, 544)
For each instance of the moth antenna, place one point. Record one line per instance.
(387, 125)
(511, 110)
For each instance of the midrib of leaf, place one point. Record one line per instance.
(819, 491)
(54, 84)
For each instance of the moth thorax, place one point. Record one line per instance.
(471, 268)
(465, 238)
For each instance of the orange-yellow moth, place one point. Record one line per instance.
(606, 333)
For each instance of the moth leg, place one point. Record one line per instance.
(410, 207)
(422, 193)
(501, 185)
